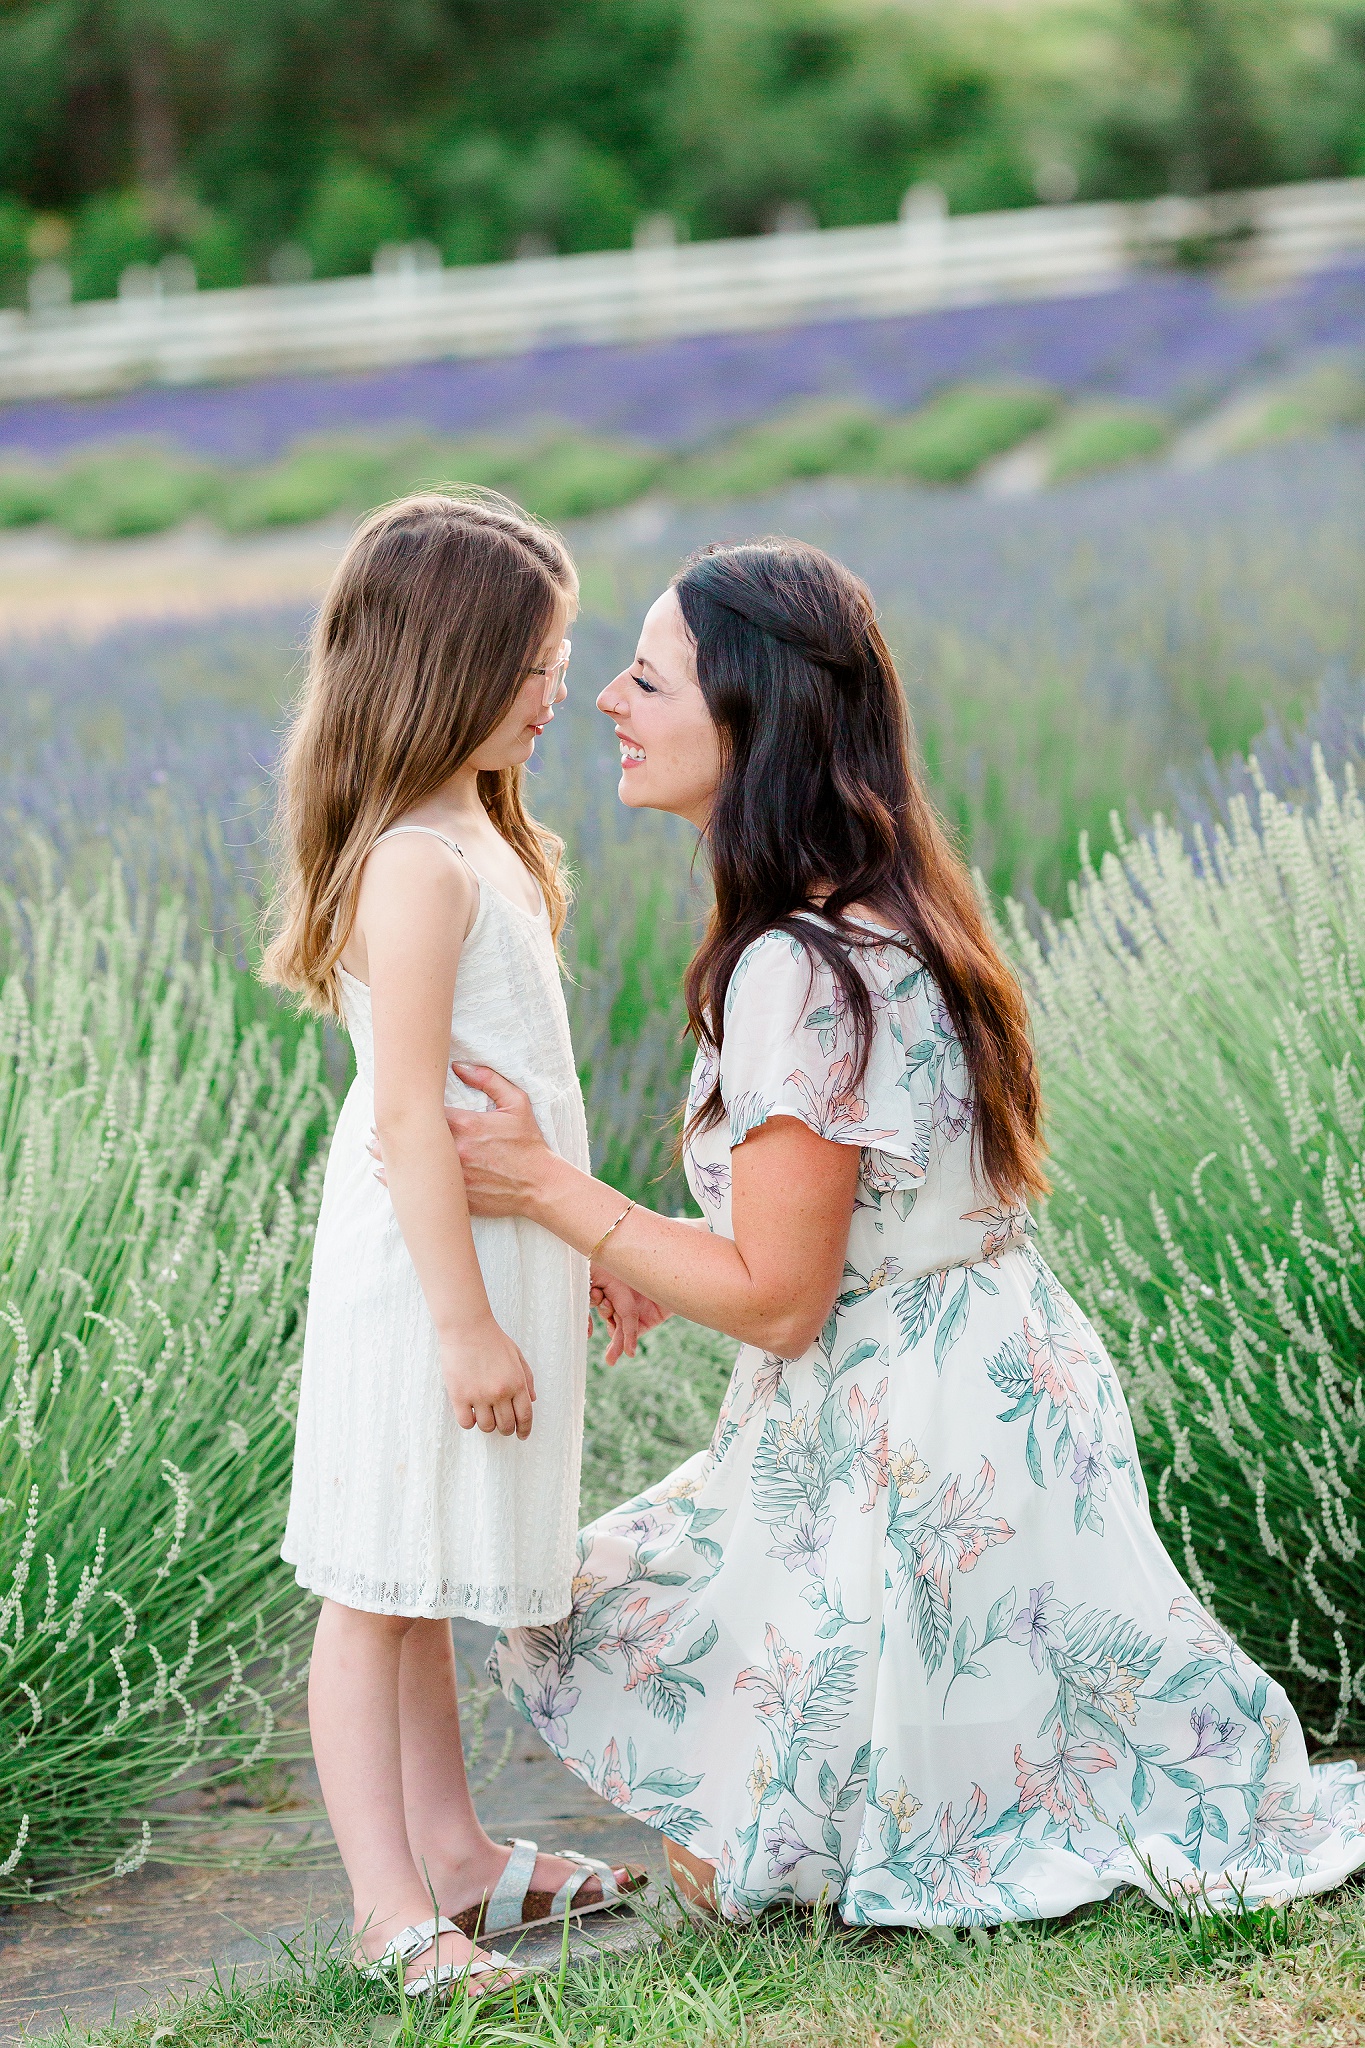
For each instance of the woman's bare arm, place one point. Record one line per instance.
(791, 1204)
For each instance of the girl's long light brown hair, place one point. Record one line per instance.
(436, 614)
(820, 808)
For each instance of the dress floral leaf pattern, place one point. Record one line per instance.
(904, 1635)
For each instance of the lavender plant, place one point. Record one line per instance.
(158, 1182)
(1198, 1019)
(1175, 341)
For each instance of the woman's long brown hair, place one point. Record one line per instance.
(435, 615)
(819, 808)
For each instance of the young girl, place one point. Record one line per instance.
(440, 1413)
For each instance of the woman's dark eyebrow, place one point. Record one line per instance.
(643, 661)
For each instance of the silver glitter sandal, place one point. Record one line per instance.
(442, 1980)
(512, 1907)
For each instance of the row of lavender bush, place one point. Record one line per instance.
(1061, 656)
(1059, 638)
(1176, 342)
(128, 489)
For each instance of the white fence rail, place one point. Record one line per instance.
(416, 315)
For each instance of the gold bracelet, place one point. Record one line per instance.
(608, 1231)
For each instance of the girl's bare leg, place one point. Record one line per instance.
(693, 1875)
(353, 1705)
(446, 1838)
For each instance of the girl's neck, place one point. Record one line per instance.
(457, 801)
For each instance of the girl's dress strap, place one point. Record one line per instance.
(431, 832)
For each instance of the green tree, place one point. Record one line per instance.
(16, 224)
(352, 212)
(483, 123)
(113, 230)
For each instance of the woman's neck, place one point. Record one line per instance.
(859, 913)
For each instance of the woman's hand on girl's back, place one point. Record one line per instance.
(489, 1383)
(502, 1152)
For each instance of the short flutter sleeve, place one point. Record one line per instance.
(788, 1050)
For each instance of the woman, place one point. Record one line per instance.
(904, 1635)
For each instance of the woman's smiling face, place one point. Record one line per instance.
(670, 747)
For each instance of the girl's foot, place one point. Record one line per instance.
(436, 1960)
(527, 1889)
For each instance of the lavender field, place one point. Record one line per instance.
(1077, 662)
(1094, 648)
(1179, 342)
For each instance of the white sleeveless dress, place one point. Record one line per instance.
(394, 1508)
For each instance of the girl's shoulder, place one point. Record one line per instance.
(416, 885)
(419, 842)
(420, 857)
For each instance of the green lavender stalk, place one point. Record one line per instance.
(1199, 1020)
(159, 1180)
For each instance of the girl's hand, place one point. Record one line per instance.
(490, 1385)
(627, 1313)
(501, 1149)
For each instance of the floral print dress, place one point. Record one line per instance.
(904, 1635)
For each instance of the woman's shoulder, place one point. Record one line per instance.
(781, 964)
(793, 1046)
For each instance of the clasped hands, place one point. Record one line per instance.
(502, 1153)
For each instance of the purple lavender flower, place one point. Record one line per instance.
(802, 1544)
(1037, 1626)
(1173, 340)
(785, 1848)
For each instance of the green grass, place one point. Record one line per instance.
(1102, 437)
(646, 1414)
(1114, 1976)
(1331, 394)
(122, 492)
(27, 494)
(952, 437)
(813, 438)
(571, 475)
(558, 474)
(314, 480)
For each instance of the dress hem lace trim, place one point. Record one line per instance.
(499, 1606)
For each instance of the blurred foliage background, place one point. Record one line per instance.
(291, 138)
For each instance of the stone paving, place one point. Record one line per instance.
(165, 1930)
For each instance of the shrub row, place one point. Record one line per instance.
(1199, 1020)
(160, 1177)
(562, 474)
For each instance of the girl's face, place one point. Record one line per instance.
(513, 740)
(670, 747)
